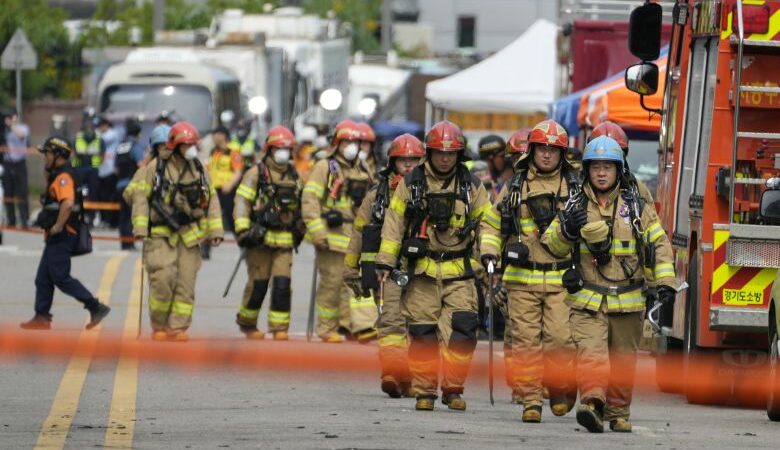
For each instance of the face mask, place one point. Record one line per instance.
(350, 151)
(191, 153)
(282, 156)
(363, 156)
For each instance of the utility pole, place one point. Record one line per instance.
(387, 18)
(159, 15)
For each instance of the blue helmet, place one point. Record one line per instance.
(603, 148)
(159, 135)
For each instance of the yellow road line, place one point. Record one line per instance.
(121, 419)
(57, 425)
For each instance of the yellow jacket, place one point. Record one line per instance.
(249, 199)
(395, 227)
(624, 249)
(207, 216)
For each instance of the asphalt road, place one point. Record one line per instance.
(224, 396)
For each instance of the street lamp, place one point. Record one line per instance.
(330, 99)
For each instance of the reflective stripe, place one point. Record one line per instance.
(337, 242)
(449, 269)
(278, 317)
(625, 302)
(492, 218)
(341, 203)
(528, 276)
(368, 256)
(528, 226)
(455, 357)
(246, 192)
(140, 221)
(362, 302)
(478, 213)
(315, 225)
(398, 206)
(181, 308)
(663, 270)
(618, 248)
(393, 340)
(589, 299)
(215, 225)
(327, 313)
(457, 222)
(193, 234)
(360, 223)
(557, 245)
(161, 230)
(314, 188)
(351, 260)
(275, 238)
(242, 223)
(247, 313)
(489, 240)
(654, 232)
(390, 247)
(159, 306)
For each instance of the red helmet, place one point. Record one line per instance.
(610, 129)
(279, 136)
(518, 142)
(345, 130)
(366, 132)
(406, 146)
(445, 136)
(549, 132)
(182, 133)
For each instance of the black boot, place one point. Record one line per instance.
(38, 322)
(97, 314)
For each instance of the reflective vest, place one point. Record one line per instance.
(247, 150)
(88, 154)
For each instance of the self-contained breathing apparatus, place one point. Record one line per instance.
(437, 207)
(184, 209)
(371, 235)
(279, 200)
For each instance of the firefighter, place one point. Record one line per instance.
(267, 217)
(367, 142)
(517, 146)
(614, 131)
(245, 143)
(225, 167)
(541, 340)
(432, 221)
(60, 221)
(616, 241)
(129, 157)
(491, 150)
(404, 154)
(334, 191)
(175, 208)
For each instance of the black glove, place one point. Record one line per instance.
(666, 295)
(500, 298)
(485, 259)
(573, 221)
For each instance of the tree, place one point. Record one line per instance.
(362, 15)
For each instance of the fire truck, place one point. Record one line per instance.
(719, 152)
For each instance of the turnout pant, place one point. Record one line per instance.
(265, 265)
(172, 271)
(541, 344)
(331, 291)
(606, 357)
(16, 192)
(442, 322)
(125, 221)
(54, 270)
(391, 329)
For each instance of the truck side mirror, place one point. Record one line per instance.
(642, 78)
(769, 208)
(644, 31)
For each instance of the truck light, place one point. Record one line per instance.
(367, 106)
(169, 90)
(330, 99)
(754, 17)
(257, 105)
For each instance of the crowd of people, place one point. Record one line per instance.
(411, 250)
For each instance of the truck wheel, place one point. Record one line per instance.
(773, 397)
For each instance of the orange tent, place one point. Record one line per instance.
(614, 102)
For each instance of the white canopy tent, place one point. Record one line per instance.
(520, 78)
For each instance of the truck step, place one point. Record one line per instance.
(753, 135)
(761, 89)
(759, 181)
(753, 45)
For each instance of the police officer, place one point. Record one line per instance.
(404, 154)
(245, 143)
(129, 156)
(432, 221)
(59, 219)
(541, 340)
(90, 149)
(334, 191)
(268, 226)
(175, 208)
(616, 241)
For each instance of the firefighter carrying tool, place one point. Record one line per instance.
(542, 347)
(404, 154)
(431, 221)
(269, 226)
(335, 189)
(174, 209)
(625, 244)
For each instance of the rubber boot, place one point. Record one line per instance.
(391, 386)
(425, 402)
(252, 333)
(97, 314)
(159, 336)
(532, 414)
(281, 336)
(589, 416)
(332, 338)
(561, 404)
(454, 401)
(38, 322)
(180, 336)
(366, 336)
(620, 425)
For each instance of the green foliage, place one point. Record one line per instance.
(363, 15)
(56, 57)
